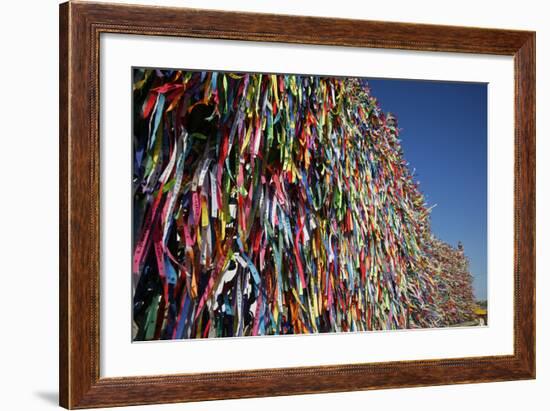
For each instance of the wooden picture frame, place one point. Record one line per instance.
(80, 27)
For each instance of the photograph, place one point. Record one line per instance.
(268, 204)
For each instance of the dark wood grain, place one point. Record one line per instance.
(80, 27)
(524, 204)
(63, 206)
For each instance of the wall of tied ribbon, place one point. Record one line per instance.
(271, 204)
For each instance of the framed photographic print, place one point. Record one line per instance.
(256, 205)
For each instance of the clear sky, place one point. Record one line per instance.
(444, 137)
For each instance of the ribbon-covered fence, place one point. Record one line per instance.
(278, 204)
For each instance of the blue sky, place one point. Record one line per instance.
(444, 137)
